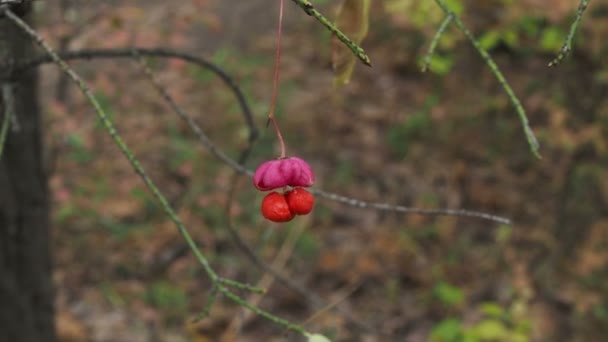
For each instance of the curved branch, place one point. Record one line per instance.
(219, 282)
(429, 54)
(155, 52)
(206, 141)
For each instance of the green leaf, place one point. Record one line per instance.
(456, 6)
(449, 294)
(447, 330)
(489, 39)
(353, 20)
(441, 64)
(490, 329)
(492, 309)
(511, 38)
(551, 39)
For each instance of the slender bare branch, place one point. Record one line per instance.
(206, 141)
(567, 46)
(217, 281)
(521, 112)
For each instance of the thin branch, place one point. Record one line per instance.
(117, 139)
(289, 283)
(217, 281)
(258, 262)
(429, 54)
(9, 111)
(280, 321)
(267, 279)
(204, 139)
(342, 295)
(217, 152)
(532, 141)
(245, 153)
(243, 286)
(157, 52)
(567, 46)
(409, 210)
(308, 7)
(207, 308)
(64, 41)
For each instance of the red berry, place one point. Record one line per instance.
(300, 201)
(275, 208)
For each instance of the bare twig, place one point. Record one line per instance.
(210, 301)
(267, 279)
(66, 39)
(429, 54)
(342, 295)
(157, 52)
(248, 251)
(217, 281)
(308, 7)
(289, 283)
(532, 141)
(236, 238)
(206, 141)
(353, 202)
(567, 46)
(9, 111)
(114, 134)
(310, 297)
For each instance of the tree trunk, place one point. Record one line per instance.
(26, 296)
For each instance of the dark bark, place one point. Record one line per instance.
(26, 296)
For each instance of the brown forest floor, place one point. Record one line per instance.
(392, 135)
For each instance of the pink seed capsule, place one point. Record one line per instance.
(278, 173)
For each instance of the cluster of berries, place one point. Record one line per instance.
(292, 172)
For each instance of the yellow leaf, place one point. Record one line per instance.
(353, 20)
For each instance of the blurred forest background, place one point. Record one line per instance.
(445, 138)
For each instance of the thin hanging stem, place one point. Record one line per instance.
(279, 136)
(275, 88)
(277, 61)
